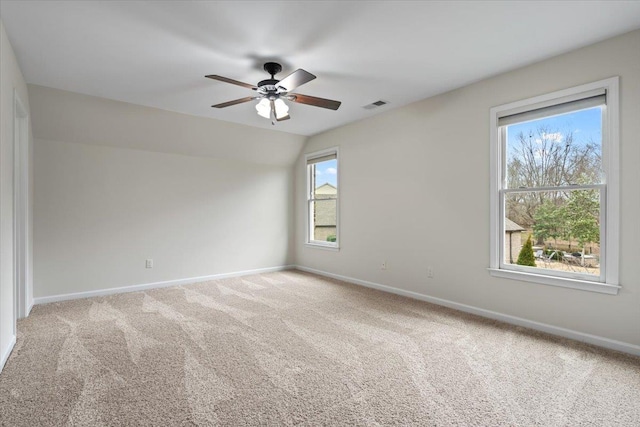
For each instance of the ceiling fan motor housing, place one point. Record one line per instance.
(272, 68)
(268, 89)
(268, 86)
(268, 83)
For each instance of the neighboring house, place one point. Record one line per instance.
(512, 241)
(325, 212)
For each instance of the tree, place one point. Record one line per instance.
(526, 257)
(550, 222)
(547, 157)
(583, 215)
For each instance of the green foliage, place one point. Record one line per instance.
(575, 216)
(550, 221)
(583, 209)
(526, 256)
(554, 255)
(331, 238)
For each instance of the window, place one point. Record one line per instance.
(554, 188)
(322, 198)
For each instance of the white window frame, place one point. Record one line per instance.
(335, 246)
(608, 282)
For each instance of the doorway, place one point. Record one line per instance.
(21, 227)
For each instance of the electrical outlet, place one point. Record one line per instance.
(149, 263)
(383, 265)
(430, 272)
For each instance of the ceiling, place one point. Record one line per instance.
(157, 53)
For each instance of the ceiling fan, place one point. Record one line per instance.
(272, 93)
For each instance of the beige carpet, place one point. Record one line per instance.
(295, 349)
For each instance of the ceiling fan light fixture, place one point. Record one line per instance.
(264, 108)
(282, 109)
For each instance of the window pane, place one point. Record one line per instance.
(555, 151)
(324, 226)
(325, 177)
(564, 227)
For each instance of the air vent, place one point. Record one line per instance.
(375, 105)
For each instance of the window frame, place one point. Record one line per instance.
(608, 282)
(335, 246)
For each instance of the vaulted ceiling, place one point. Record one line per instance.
(157, 53)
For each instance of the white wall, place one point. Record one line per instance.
(415, 193)
(10, 79)
(101, 210)
(60, 115)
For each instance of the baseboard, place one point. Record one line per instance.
(30, 307)
(7, 352)
(543, 327)
(145, 286)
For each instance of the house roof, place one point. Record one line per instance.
(326, 188)
(326, 184)
(510, 226)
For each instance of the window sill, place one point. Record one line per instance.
(583, 285)
(324, 246)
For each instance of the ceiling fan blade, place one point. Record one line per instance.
(316, 102)
(228, 80)
(234, 102)
(287, 117)
(295, 79)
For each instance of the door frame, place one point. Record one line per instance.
(21, 270)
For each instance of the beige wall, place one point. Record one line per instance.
(60, 115)
(101, 210)
(419, 176)
(10, 79)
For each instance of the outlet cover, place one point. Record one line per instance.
(149, 263)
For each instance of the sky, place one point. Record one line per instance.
(327, 172)
(585, 124)
(551, 132)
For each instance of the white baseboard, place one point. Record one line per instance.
(543, 327)
(165, 284)
(7, 352)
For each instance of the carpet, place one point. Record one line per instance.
(291, 348)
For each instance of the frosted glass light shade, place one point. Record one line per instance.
(264, 108)
(282, 109)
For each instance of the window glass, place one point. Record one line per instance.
(323, 199)
(562, 154)
(553, 151)
(555, 193)
(564, 230)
